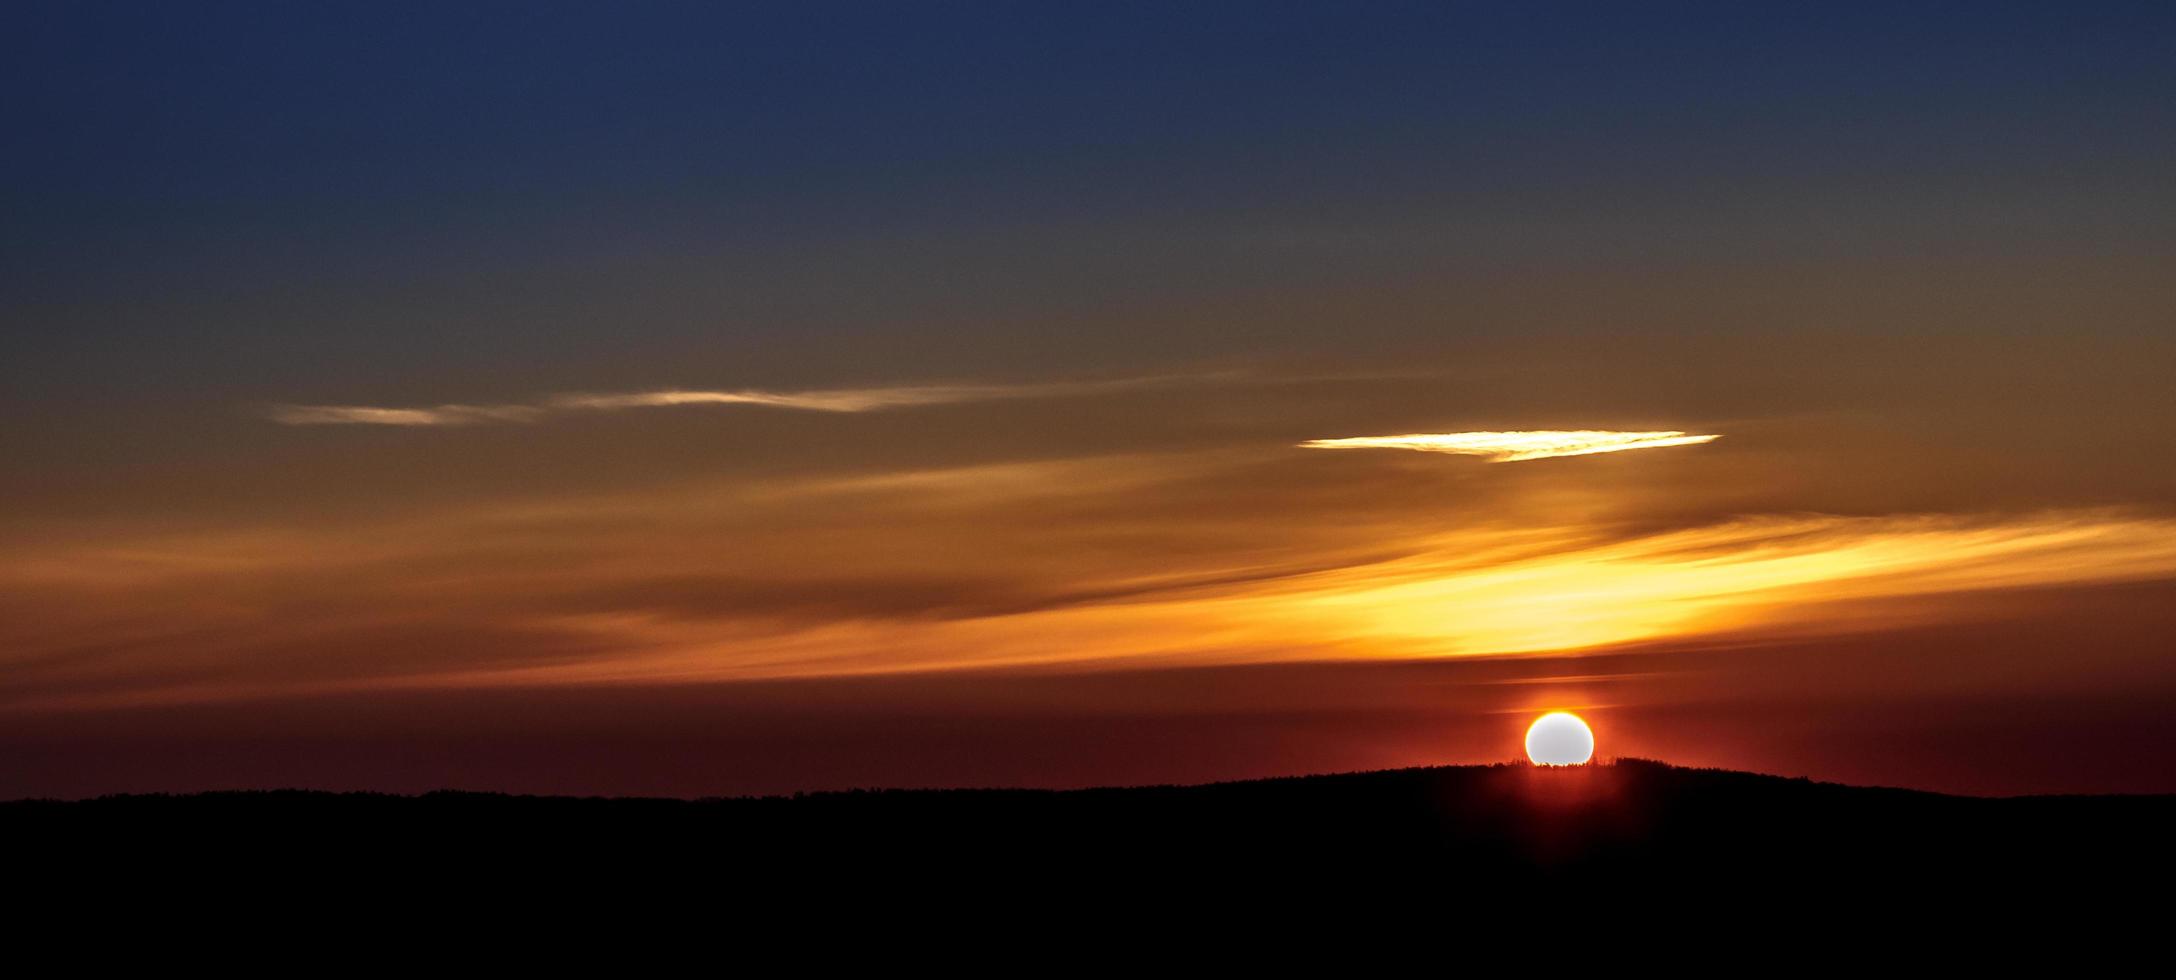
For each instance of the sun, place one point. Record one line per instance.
(1559, 738)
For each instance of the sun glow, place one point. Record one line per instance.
(1451, 599)
(1509, 447)
(1559, 738)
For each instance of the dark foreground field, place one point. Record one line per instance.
(1633, 832)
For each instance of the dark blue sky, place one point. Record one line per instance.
(205, 142)
(224, 203)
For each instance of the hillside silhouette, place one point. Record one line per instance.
(1633, 824)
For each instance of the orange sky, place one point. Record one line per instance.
(1622, 584)
(701, 400)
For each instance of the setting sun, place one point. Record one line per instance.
(1559, 738)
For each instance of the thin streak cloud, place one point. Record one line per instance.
(1509, 447)
(835, 400)
(370, 415)
(816, 400)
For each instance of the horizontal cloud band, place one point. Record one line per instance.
(818, 400)
(1506, 447)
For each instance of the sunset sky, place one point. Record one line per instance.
(708, 399)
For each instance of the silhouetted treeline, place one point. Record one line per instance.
(1486, 837)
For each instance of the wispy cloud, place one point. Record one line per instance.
(850, 399)
(1781, 574)
(813, 400)
(1507, 447)
(368, 415)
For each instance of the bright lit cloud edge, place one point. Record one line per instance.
(1508, 447)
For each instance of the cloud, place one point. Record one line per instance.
(831, 400)
(1777, 574)
(1507, 447)
(368, 415)
(815, 400)
(1148, 559)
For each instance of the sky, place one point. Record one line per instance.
(700, 399)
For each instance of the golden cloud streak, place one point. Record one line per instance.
(1508, 447)
(1768, 572)
(1780, 577)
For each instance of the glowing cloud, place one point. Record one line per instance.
(1776, 572)
(1508, 447)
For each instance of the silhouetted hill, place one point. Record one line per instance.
(1455, 834)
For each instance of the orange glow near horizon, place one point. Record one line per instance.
(839, 577)
(1478, 593)
(1722, 577)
